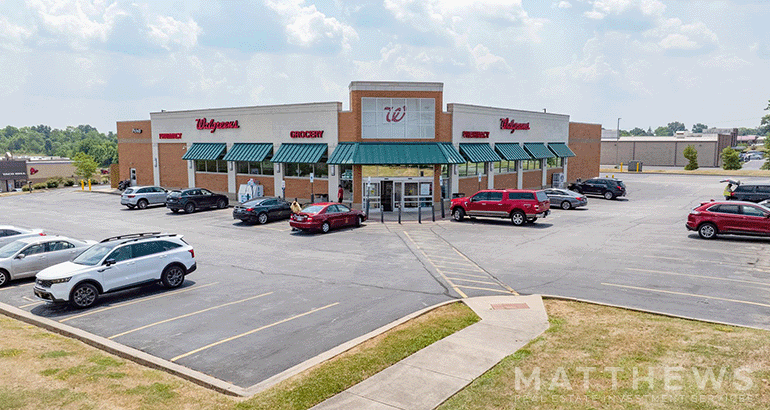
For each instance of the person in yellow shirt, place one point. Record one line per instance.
(728, 191)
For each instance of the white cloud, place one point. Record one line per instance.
(306, 26)
(563, 4)
(12, 36)
(168, 32)
(485, 60)
(675, 35)
(603, 8)
(76, 22)
(725, 62)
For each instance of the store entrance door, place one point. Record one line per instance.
(386, 195)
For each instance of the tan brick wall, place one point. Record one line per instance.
(266, 181)
(506, 181)
(585, 141)
(470, 185)
(135, 150)
(300, 188)
(211, 181)
(532, 179)
(172, 168)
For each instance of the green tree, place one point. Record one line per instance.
(730, 159)
(692, 155)
(675, 126)
(766, 165)
(697, 128)
(85, 166)
(662, 131)
(764, 127)
(637, 132)
(649, 131)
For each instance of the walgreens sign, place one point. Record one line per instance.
(506, 124)
(204, 124)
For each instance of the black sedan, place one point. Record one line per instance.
(261, 210)
(192, 199)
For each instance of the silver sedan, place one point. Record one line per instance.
(565, 199)
(28, 256)
(9, 234)
(143, 196)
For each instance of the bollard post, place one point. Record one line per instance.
(367, 207)
(442, 209)
(399, 215)
(419, 212)
(637, 167)
(89, 184)
(382, 214)
(82, 185)
(621, 167)
(433, 211)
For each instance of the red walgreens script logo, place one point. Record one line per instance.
(506, 124)
(398, 113)
(32, 171)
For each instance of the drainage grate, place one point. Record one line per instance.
(509, 306)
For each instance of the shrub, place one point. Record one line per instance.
(730, 159)
(69, 182)
(25, 188)
(52, 183)
(692, 155)
(40, 185)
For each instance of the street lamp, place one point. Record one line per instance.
(617, 144)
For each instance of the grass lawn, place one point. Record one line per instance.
(680, 364)
(40, 369)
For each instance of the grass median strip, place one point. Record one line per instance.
(602, 357)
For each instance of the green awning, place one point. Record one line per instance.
(300, 153)
(249, 152)
(395, 153)
(560, 149)
(538, 150)
(479, 152)
(205, 150)
(511, 151)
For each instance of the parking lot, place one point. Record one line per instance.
(265, 298)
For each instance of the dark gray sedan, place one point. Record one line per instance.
(565, 199)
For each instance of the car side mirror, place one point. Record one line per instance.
(110, 262)
(21, 256)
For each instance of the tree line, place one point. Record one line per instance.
(675, 126)
(44, 141)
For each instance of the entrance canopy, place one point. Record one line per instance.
(205, 151)
(300, 153)
(560, 149)
(479, 152)
(395, 153)
(249, 152)
(538, 150)
(511, 151)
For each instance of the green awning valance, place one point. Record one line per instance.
(249, 152)
(479, 152)
(511, 151)
(395, 153)
(205, 151)
(560, 149)
(538, 150)
(300, 153)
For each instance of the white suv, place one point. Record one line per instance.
(117, 263)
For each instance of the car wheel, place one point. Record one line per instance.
(609, 195)
(174, 210)
(221, 204)
(130, 206)
(518, 218)
(4, 278)
(566, 205)
(458, 214)
(325, 227)
(707, 231)
(142, 204)
(172, 276)
(262, 218)
(359, 221)
(189, 208)
(84, 295)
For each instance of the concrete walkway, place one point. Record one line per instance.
(429, 377)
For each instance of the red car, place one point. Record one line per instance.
(519, 205)
(729, 217)
(324, 216)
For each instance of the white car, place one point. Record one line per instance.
(27, 256)
(143, 196)
(9, 233)
(117, 263)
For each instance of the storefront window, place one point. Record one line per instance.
(470, 169)
(532, 164)
(395, 171)
(505, 167)
(301, 170)
(555, 162)
(255, 168)
(214, 165)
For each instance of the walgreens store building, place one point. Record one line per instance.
(396, 145)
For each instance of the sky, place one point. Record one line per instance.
(648, 62)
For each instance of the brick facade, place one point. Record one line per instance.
(585, 142)
(265, 180)
(532, 179)
(173, 173)
(507, 181)
(215, 182)
(135, 150)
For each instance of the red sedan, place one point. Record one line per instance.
(325, 216)
(729, 217)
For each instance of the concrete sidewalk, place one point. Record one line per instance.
(429, 377)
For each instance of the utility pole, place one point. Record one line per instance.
(617, 144)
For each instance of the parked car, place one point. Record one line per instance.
(192, 199)
(117, 263)
(325, 216)
(262, 210)
(751, 192)
(519, 205)
(765, 203)
(609, 188)
(565, 199)
(729, 217)
(27, 256)
(143, 196)
(754, 156)
(9, 233)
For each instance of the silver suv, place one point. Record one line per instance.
(143, 196)
(9, 233)
(117, 263)
(28, 256)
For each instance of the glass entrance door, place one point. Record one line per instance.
(386, 196)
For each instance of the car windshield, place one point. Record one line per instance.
(92, 255)
(313, 209)
(175, 193)
(8, 250)
(541, 196)
(255, 202)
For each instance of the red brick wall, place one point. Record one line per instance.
(551, 171)
(266, 181)
(532, 179)
(470, 185)
(585, 141)
(212, 182)
(506, 181)
(171, 167)
(300, 188)
(135, 151)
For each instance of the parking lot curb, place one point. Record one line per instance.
(652, 312)
(125, 352)
(100, 191)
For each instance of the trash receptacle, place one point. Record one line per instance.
(635, 166)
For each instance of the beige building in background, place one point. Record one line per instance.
(41, 169)
(667, 151)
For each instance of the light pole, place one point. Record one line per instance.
(617, 144)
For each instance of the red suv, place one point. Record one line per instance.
(519, 205)
(729, 217)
